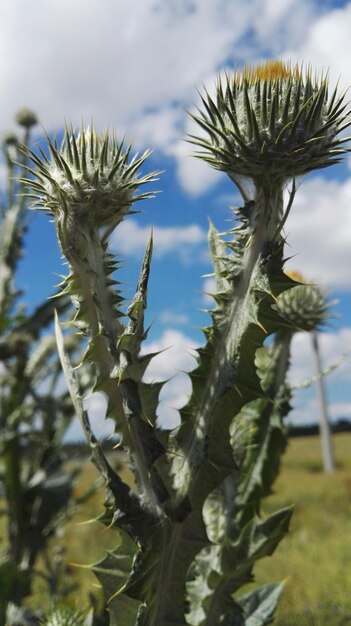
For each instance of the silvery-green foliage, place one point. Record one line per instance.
(190, 534)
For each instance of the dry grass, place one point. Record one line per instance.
(314, 559)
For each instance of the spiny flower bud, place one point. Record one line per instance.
(26, 118)
(272, 120)
(87, 183)
(304, 307)
(10, 139)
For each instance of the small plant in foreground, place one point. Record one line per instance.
(188, 538)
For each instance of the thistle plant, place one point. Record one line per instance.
(35, 413)
(190, 534)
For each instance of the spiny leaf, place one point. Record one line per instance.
(259, 605)
(113, 572)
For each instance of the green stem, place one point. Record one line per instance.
(96, 303)
(267, 213)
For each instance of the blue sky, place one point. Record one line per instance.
(135, 66)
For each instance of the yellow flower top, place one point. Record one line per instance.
(270, 70)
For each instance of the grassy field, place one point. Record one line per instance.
(314, 560)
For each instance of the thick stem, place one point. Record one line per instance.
(176, 552)
(266, 214)
(96, 302)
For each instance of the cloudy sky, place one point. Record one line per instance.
(135, 67)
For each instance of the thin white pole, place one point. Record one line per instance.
(324, 425)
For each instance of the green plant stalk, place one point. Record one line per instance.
(96, 310)
(120, 497)
(266, 212)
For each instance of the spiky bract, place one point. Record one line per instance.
(90, 180)
(304, 307)
(273, 120)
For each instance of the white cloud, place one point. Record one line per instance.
(318, 230)
(308, 412)
(135, 65)
(181, 240)
(158, 128)
(281, 24)
(95, 405)
(170, 317)
(209, 287)
(195, 176)
(176, 358)
(112, 59)
(327, 44)
(340, 409)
